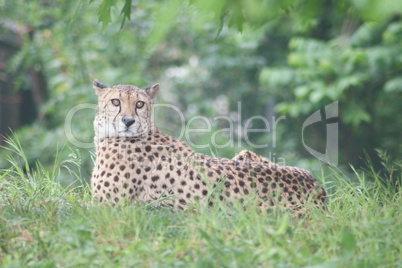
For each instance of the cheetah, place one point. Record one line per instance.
(138, 163)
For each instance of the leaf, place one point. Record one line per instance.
(363, 35)
(104, 13)
(126, 12)
(316, 96)
(345, 83)
(393, 85)
(237, 18)
(277, 77)
(221, 23)
(302, 91)
(282, 108)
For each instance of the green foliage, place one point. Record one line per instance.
(45, 224)
(70, 54)
(255, 13)
(104, 12)
(305, 54)
(360, 70)
(296, 56)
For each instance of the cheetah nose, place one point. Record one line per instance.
(128, 121)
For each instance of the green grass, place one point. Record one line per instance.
(43, 224)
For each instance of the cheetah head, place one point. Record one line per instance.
(123, 110)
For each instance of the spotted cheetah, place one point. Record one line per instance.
(137, 162)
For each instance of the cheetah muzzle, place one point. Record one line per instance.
(137, 162)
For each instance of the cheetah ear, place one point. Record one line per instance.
(99, 87)
(152, 91)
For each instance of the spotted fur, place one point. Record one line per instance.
(137, 162)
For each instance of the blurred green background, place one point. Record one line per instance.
(277, 58)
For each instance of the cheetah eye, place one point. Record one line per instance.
(139, 104)
(115, 102)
